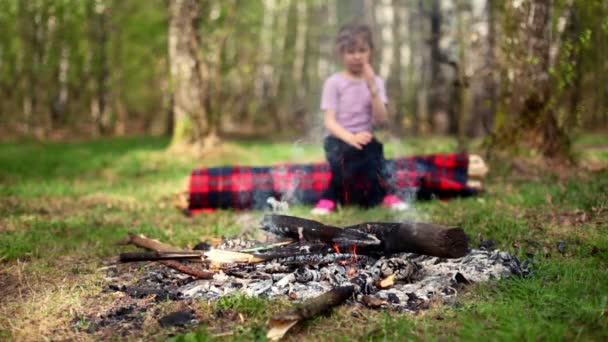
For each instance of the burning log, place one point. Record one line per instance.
(375, 237)
(422, 238)
(282, 322)
(302, 229)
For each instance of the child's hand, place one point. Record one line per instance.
(368, 73)
(361, 139)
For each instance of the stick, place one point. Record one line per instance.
(146, 242)
(153, 256)
(201, 274)
(282, 322)
(159, 247)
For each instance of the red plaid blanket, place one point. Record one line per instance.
(245, 187)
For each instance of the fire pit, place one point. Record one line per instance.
(402, 266)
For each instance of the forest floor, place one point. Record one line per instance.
(63, 207)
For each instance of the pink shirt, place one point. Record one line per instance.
(351, 100)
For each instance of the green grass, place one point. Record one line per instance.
(63, 206)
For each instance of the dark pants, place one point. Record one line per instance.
(358, 176)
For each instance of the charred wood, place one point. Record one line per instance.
(375, 238)
(153, 256)
(412, 237)
(308, 230)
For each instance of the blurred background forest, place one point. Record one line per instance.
(513, 72)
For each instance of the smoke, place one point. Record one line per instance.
(407, 194)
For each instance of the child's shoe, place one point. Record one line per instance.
(324, 207)
(394, 203)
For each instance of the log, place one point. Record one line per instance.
(282, 322)
(477, 167)
(415, 237)
(378, 237)
(309, 230)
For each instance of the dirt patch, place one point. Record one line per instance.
(12, 288)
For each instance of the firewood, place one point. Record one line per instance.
(146, 242)
(282, 322)
(415, 237)
(164, 251)
(227, 257)
(477, 167)
(201, 274)
(309, 230)
(159, 248)
(377, 237)
(153, 256)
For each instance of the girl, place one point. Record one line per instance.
(352, 101)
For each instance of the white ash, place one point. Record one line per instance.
(418, 278)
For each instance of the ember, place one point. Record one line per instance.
(381, 273)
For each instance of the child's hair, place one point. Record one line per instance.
(350, 34)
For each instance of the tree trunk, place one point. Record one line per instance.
(188, 73)
(100, 104)
(489, 111)
(530, 96)
(435, 102)
(461, 90)
(538, 112)
(395, 82)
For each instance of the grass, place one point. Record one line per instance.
(64, 205)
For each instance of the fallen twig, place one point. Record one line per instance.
(282, 322)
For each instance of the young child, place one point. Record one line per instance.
(353, 100)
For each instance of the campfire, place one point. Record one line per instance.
(401, 266)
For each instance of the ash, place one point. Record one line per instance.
(417, 279)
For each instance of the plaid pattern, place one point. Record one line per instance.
(243, 187)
